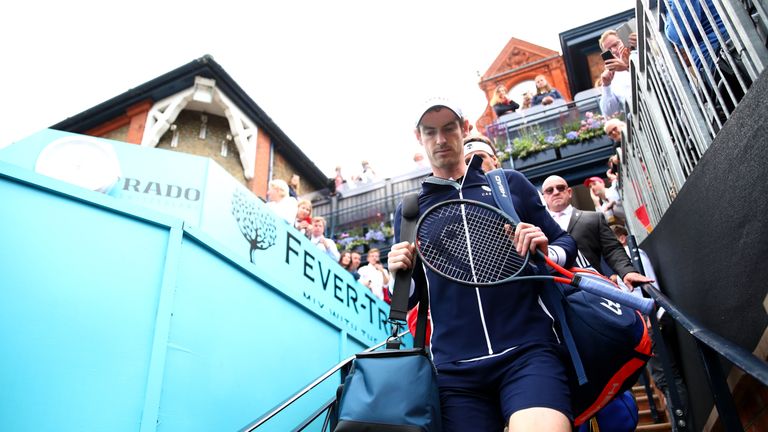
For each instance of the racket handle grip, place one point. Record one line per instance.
(604, 289)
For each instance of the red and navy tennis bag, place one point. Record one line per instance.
(612, 345)
(608, 343)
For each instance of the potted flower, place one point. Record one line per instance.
(380, 237)
(584, 135)
(352, 240)
(533, 147)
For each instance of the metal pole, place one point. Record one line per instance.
(729, 417)
(678, 419)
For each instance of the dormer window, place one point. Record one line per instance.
(203, 90)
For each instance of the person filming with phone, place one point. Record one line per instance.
(615, 79)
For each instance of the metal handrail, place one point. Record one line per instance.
(275, 411)
(325, 408)
(711, 347)
(736, 354)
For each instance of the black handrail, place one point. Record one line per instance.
(275, 411)
(737, 355)
(711, 347)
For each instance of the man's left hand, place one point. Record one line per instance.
(633, 40)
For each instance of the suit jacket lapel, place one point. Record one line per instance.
(575, 215)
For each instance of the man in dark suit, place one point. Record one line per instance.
(593, 236)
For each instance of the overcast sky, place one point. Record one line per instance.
(341, 79)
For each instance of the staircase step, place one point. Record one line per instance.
(655, 427)
(638, 393)
(645, 415)
(642, 402)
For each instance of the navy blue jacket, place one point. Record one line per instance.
(472, 323)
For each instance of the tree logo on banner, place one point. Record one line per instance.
(255, 222)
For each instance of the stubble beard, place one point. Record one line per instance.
(445, 161)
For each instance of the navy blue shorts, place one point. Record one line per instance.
(483, 394)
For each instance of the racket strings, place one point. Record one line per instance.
(469, 243)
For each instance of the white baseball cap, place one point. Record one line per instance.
(438, 102)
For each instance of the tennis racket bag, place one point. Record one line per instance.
(608, 343)
(613, 346)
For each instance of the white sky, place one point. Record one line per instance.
(342, 79)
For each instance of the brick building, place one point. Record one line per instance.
(199, 109)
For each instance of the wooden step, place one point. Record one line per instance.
(642, 402)
(645, 415)
(666, 427)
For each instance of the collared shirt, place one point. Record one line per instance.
(562, 217)
(371, 273)
(620, 91)
(327, 246)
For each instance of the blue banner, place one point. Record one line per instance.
(200, 192)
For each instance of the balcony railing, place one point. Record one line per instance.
(370, 203)
(545, 120)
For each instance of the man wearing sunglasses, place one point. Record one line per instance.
(590, 229)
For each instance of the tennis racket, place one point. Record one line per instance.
(471, 243)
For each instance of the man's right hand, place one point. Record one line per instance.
(616, 65)
(400, 257)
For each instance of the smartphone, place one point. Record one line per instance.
(607, 55)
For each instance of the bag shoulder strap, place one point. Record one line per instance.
(497, 180)
(398, 309)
